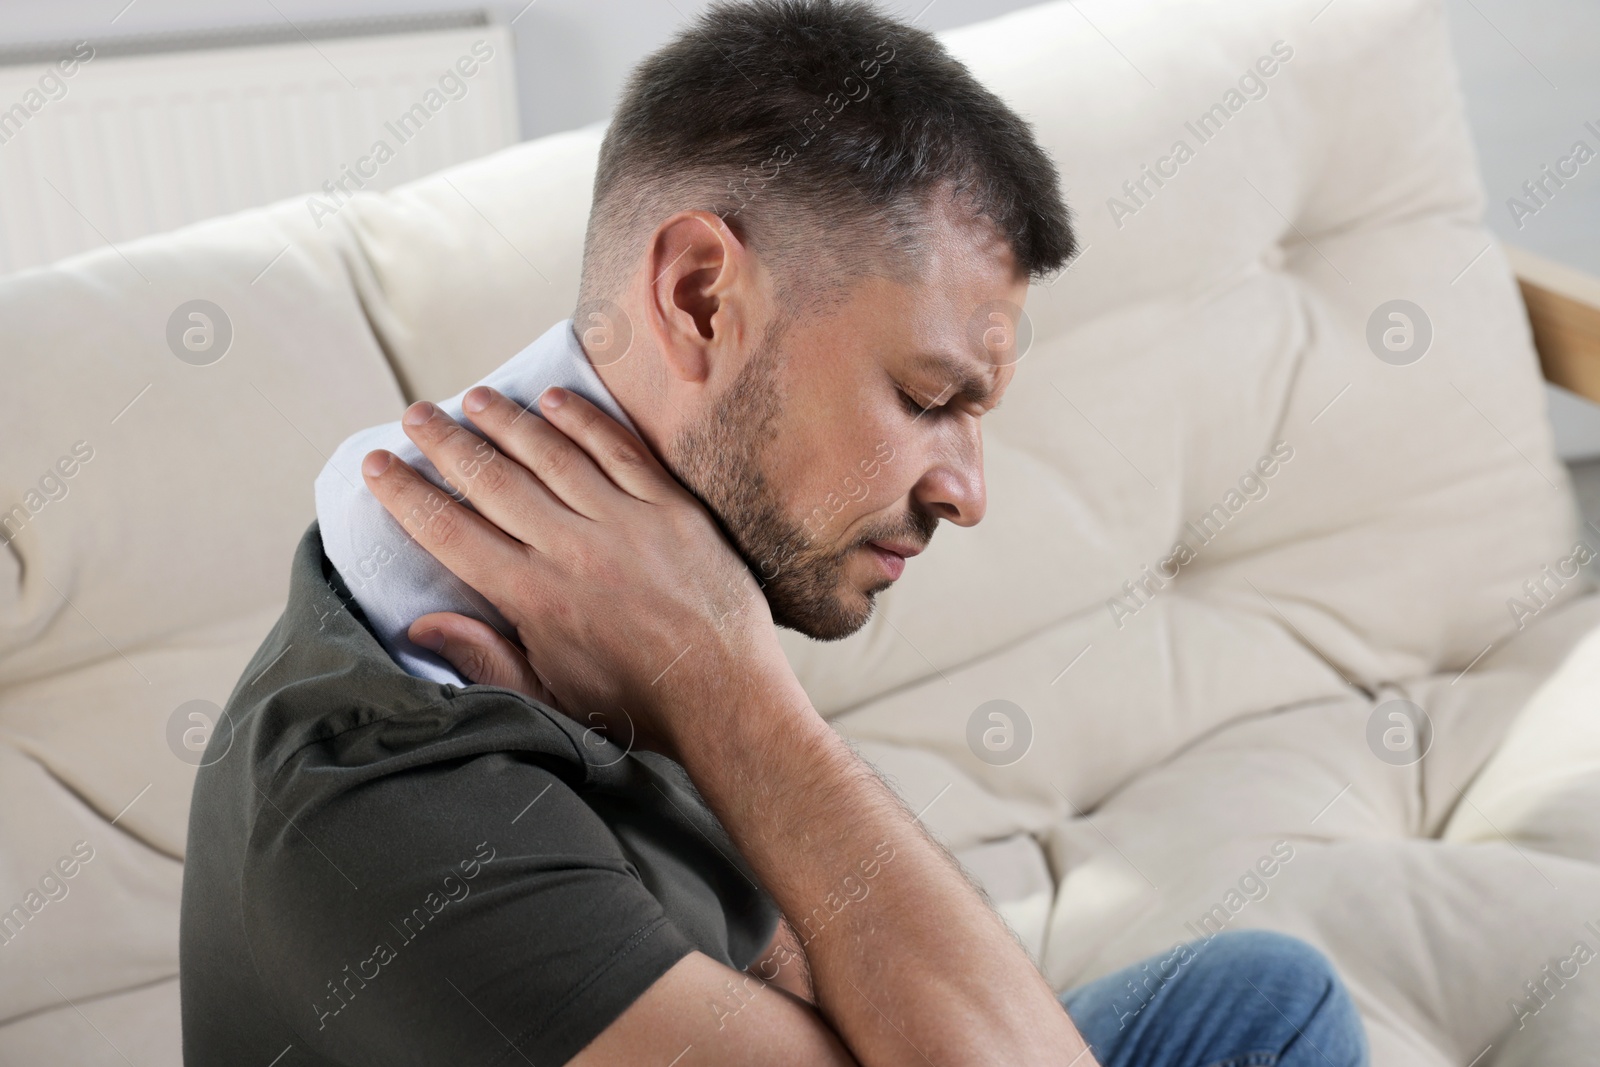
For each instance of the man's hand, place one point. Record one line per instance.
(628, 598)
(611, 572)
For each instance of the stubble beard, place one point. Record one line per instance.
(721, 460)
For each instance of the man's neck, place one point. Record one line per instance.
(625, 386)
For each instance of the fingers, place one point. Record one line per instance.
(472, 547)
(497, 486)
(564, 471)
(479, 653)
(624, 458)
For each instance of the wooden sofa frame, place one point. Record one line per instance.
(1564, 309)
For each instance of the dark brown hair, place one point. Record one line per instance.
(815, 126)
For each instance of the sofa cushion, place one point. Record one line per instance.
(139, 1025)
(191, 478)
(161, 490)
(1435, 937)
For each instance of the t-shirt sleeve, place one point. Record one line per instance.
(475, 911)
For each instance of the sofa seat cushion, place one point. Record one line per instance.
(1435, 934)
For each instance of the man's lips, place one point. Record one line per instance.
(892, 556)
(903, 549)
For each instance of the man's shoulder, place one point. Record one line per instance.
(321, 686)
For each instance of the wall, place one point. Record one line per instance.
(1532, 80)
(574, 53)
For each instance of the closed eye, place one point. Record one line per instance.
(915, 405)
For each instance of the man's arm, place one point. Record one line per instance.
(909, 965)
(784, 964)
(629, 598)
(706, 1013)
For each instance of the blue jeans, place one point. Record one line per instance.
(1248, 998)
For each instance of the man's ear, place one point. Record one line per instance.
(700, 296)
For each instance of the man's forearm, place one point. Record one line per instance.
(907, 962)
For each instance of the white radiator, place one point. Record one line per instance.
(115, 140)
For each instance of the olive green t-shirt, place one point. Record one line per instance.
(384, 870)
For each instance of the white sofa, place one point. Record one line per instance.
(1219, 309)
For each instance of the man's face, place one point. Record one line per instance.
(854, 430)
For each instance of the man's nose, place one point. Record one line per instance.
(953, 488)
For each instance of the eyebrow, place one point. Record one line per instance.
(969, 385)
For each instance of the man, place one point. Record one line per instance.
(531, 781)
